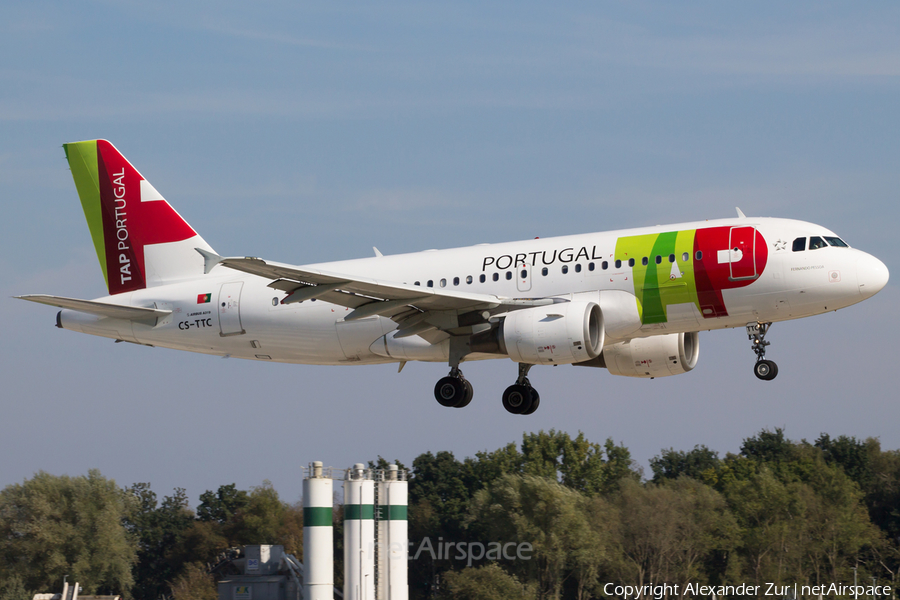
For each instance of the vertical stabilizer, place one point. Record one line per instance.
(140, 240)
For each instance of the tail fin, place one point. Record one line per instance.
(140, 240)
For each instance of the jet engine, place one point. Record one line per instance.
(558, 334)
(657, 356)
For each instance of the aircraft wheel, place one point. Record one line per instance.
(450, 391)
(517, 399)
(470, 392)
(535, 402)
(765, 370)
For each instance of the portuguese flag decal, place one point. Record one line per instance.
(204, 298)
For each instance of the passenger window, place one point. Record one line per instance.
(509, 275)
(430, 283)
(671, 258)
(481, 278)
(443, 283)
(416, 283)
(618, 264)
(565, 269)
(835, 241)
(816, 242)
(684, 257)
(468, 279)
(578, 268)
(799, 245)
(644, 261)
(658, 259)
(699, 255)
(604, 265)
(590, 266)
(631, 262)
(544, 271)
(524, 274)
(456, 281)
(496, 277)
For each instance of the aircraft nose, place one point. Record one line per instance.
(873, 275)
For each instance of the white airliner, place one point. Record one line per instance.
(631, 301)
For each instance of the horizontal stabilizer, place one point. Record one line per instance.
(101, 309)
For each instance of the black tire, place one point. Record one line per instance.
(517, 399)
(535, 402)
(470, 392)
(765, 370)
(449, 391)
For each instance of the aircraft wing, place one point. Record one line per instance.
(416, 309)
(101, 309)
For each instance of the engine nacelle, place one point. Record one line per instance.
(657, 356)
(558, 334)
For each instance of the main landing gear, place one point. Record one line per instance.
(520, 398)
(763, 369)
(456, 392)
(453, 390)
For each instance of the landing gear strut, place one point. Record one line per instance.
(763, 369)
(453, 390)
(520, 398)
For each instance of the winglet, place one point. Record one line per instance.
(740, 213)
(210, 259)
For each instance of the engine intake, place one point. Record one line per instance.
(558, 334)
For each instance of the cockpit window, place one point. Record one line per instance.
(815, 242)
(799, 245)
(836, 241)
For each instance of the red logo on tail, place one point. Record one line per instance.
(130, 224)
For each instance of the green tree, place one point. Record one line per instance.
(852, 455)
(489, 466)
(669, 531)
(194, 584)
(548, 516)
(259, 520)
(489, 582)
(383, 463)
(770, 514)
(159, 529)
(202, 542)
(577, 463)
(220, 507)
(768, 446)
(51, 526)
(701, 464)
(290, 531)
(439, 491)
(13, 588)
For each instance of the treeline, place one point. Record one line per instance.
(778, 511)
(551, 517)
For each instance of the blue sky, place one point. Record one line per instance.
(305, 133)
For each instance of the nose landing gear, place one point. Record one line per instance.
(520, 398)
(764, 369)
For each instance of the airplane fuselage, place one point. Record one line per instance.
(649, 281)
